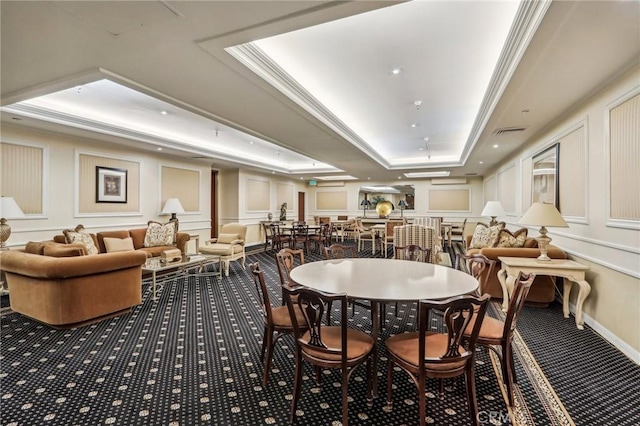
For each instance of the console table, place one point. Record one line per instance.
(570, 271)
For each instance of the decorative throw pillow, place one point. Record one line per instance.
(507, 239)
(80, 235)
(485, 236)
(118, 244)
(227, 238)
(160, 234)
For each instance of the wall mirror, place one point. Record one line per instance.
(391, 193)
(545, 176)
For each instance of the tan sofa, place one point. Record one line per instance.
(73, 290)
(543, 289)
(137, 236)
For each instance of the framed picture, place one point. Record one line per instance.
(111, 185)
(545, 176)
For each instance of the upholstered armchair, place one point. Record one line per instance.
(419, 235)
(229, 245)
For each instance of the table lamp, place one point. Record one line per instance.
(402, 204)
(493, 209)
(9, 209)
(173, 206)
(543, 215)
(365, 204)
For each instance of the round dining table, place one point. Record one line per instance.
(383, 280)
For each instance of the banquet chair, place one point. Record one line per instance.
(411, 252)
(388, 234)
(495, 332)
(363, 234)
(478, 266)
(286, 260)
(458, 231)
(300, 234)
(425, 354)
(332, 347)
(276, 320)
(338, 251)
(278, 238)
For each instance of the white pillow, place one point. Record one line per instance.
(159, 234)
(118, 244)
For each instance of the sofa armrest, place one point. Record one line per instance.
(495, 252)
(182, 238)
(38, 266)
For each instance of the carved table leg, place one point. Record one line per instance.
(565, 296)
(506, 282)
(585, 289)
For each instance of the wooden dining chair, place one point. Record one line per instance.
(323, 346)
(495, 332)
(477, 265)
(278, 238)
(425, 354)
(286, 260)
(277, 320)
(300, 234)
(338, 251)
(411, 252)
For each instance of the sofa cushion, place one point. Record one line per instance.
(160, 234)
(35, 247)
(227, 238)
(80, 235)
(485, 236)
(506, 238)
(221, 249)
(113, 245)
(64, 250)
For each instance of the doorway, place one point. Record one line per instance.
(301, 212)
(214, 210)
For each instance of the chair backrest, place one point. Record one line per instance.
(477, 265)
(458, 313)
(389, 228)
(235, 228)
(413, 252)
(312, 303)
(415, 234)
(338, 251)
(286, 260)
(261, 288)
(516, 302)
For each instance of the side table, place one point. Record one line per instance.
(570, 271)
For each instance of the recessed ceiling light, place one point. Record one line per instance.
(421, 149)
(273, 173)
(396, 71)
(301, 178)
(496, 145)
(163, 112)
(250, 142)
(417, 104)
(414, 125)
(368, 178)
(399, 177)
(426, 139)
(481, 162)
(159, 148)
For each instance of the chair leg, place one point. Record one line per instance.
(389, 382)
(422, 400)
(507, 369)
(226, 267)
(297, 383)
(345, 397)
(264, 343)
(267, 362)
(470, 380)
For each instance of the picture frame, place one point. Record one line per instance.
(111, 185)
(545, 176)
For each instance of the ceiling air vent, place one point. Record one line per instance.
(509, 130)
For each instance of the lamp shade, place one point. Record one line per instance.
(402, 204)
(172, 206)
(365, 203)
(9, 209)
(542, 214)
(493, 209)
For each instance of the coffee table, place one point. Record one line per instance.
(156, 265)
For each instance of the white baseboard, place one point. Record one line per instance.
(622, 346)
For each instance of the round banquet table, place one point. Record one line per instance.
(383, 280)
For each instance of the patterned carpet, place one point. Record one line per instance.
(193, 357)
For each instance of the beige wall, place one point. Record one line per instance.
(612, 252)
(62, 195)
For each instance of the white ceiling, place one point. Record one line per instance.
(343, 113)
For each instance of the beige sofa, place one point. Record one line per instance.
(543, 289)
(137, 236)
(58, 285)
